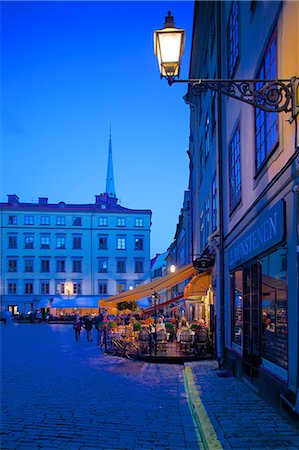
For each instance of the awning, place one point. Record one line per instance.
(198, 286)
(146, 290)
(161, 305)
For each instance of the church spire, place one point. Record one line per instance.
(110, 189)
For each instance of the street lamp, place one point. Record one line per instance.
(268, 95)
(172, 268)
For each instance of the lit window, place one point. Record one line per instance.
(60, 220)
(28, 220)
(121, 222)
(121, 243)
(235, 169)
(60, 241)
(60, 288)
(103, 222)
(266, 124)
(236, 289)
(233, 38)
(120, 286)
(12, 220)
(103, 265)
(45, 241)
(138, 222)
(45, 220)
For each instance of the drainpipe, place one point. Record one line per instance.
(220, 260)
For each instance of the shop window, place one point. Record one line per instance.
(274, 308)
(237, 307)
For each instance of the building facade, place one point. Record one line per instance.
(65, 257)
(244, 191)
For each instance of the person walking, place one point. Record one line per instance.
(98, 323)
(88, 327)
(77, 327)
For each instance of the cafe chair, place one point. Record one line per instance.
(185, 341)
(161, 341)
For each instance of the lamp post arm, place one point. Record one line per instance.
(267, 95)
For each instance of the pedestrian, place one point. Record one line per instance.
(77, 327)
(98, 323)
(88, 328)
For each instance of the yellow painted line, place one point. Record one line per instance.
(198, 411)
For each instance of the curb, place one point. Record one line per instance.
(199, 414)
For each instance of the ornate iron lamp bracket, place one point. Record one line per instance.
(267, 95)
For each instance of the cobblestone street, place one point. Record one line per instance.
(57, 393)
(60, 394)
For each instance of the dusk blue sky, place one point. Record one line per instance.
(69, 69)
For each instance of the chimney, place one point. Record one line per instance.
(42, 200)
(13, 199)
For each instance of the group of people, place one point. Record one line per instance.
(87, 323)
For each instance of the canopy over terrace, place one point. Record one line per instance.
(146, 290)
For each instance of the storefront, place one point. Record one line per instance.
(257, 263)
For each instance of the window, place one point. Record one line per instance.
(45, 265)
(12, 220)
(45, 287)
(45, 241)
(201, 160)
(139, 243)
(28, 265)
(77, 242)
(214, 204)
(28, 287)
(274, 309)
(121, 222)
(60, 287)
(121, 265)
(13, 241)
(235, 170)
(139, 266)
(213, 111)
(60, 265)
(103, 222)
(103, 265)
(28, 220)
(237, 307)
(77, 221)
(60, 220)
(60, 241)
(120, 286)
(121, 243)
(138, 222)
(207, 221)
(233, 39)
(11, 287)
(266, 124)
(103, 242)
(45, 220)
(103, 287)
(29, 241)
(202, 227)
(207, 138)
(77, 265)
(77, 287)
(12, 265)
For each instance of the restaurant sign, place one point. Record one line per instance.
(265, 233)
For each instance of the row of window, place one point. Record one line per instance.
(121, 242)
(76, 221)
(77, 265)
(63, 288)
(208, 216)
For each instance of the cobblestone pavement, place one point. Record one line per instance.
(57, 393)
(241, 419)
